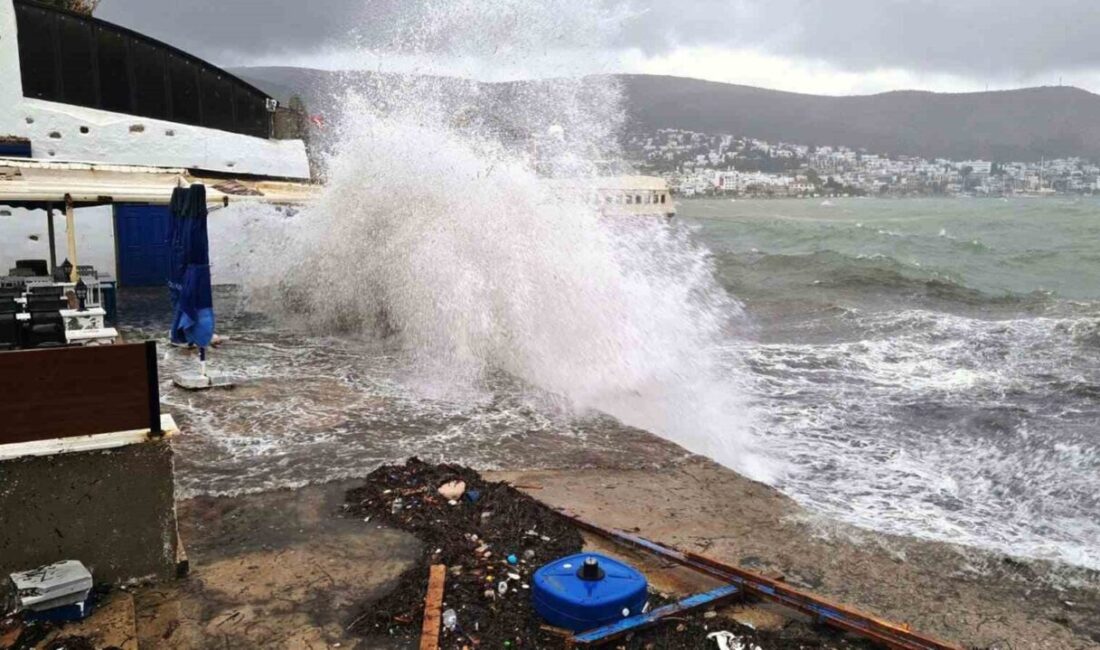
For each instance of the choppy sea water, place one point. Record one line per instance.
(922, 367)
(927, 367)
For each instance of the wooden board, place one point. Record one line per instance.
(433, 603)
(64, 392)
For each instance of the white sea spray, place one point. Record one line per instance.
(439, 231)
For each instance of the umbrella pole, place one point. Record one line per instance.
(53, 238)
(70, 227)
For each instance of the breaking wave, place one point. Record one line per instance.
(944, 427)
(437, 235)
(866, 273)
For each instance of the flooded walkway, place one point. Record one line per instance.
(308, 409)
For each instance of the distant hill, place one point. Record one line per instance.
(1024, 124)
(1003, 125)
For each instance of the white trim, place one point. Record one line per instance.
(96, 442)
(36, 180)
(107, 334)
(89, 312)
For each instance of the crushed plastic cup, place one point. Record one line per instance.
(450, 620)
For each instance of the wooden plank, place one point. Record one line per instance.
(634, 623)
(433, 603)
(61, 392)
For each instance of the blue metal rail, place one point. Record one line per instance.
(639, 621)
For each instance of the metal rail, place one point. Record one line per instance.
(634, 623)
(893, 635)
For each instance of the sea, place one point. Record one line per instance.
(924, 367)
(928, 367)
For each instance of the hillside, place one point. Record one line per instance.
(1003, 125)
(1024, 124)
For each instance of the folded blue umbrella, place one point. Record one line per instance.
(189, 268)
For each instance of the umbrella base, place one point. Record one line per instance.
(196, 381)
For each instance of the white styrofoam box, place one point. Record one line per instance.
(62, 583)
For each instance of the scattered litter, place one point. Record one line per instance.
(452, 489)
(485, 618)
(464, 537)
(56, 591)
(513, 560)
(729, 641)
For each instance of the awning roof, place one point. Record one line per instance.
(36, 181)
(624, 183)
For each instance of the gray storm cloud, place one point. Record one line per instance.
(966, 37)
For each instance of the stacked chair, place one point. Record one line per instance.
(46, 327)
(11, 332)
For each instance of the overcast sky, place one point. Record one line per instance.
(817, 46)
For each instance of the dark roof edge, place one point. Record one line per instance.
(126, 30)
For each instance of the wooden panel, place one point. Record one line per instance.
(433, 602)
(63, 392)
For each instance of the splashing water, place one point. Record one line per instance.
(436, 233)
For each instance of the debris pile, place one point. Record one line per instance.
(492, 538)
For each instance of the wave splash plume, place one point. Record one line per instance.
(436, 234)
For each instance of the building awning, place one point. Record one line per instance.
(612, 183)
(24, 181)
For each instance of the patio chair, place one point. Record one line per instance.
(37, 267)
(46, 329)
(10, 331)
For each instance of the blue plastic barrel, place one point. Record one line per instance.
(587, 590)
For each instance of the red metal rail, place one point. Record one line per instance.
(893, 635)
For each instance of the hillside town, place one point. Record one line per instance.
(704, 164)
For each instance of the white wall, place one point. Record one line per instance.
(95, 237)
(54, 131)
(230, 231)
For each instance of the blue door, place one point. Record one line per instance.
(141, 238)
